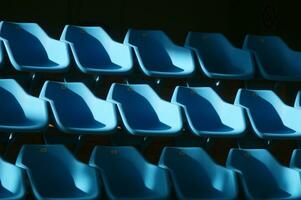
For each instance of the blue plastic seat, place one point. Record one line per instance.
(275, 60)
(127, 175)
(158, 56)
(12, 185)
(268, 115)
(143, 112)
(95, 52)
(218, 58)
(207, 114)
(77, 110)
(196, 176)
(20, 112)
(262, 176)
(29, 48)
(54, 173)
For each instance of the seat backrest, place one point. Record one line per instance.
(50, 167)
(196, 173)
(119, 166)
(263, 108)
(89, 44)
(11, 94)
(137, 103)
(262, 175)
(69, 101)
(199, 103)
(24, 36)
(152, 47)
(271, 52)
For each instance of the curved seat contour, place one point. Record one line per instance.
(77, 110)
(12, 180)
(207, 114)
(269, 116)
(262, 176)
(126, 175)
(95, 52)
(196, 176)
(54, 173)
(29, 48)
(158, 56)
(143, 112)
(19, 111)
(218, 58)
(275, 60)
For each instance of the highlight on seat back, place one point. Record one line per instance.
(95, 52)
(298, 100)
(29, 48)
(77, 110)
(268, 115)
(196, 176)
(207, 114)
(54, 173)
(218, 58)
(262, 176)
(127, 175)
(275, 60)
(143, 112)
(19, 111)
(12, 185)
(296, 159)
(158, 56)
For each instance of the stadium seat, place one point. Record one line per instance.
(127, 175)
(54, 173)
(158, 56)
(20, 112)
(196, 176)
(12, 185)
(207, 114)
(262, 176)
(275, 60)
(270, 118)
(143, 112)
(95, 52)
(30, 49)
(218, 58)
(77, 110)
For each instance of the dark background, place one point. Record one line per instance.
(234, 18)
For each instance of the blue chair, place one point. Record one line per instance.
(29, 48)
(143, 112)
(20, 112)
(196, 176)
(12, 185)
(95, 52)
(262, 176)
(270, 118)
(158, 56)
(54, 173)
(127, 175)
(207, 114)
(77, 110)
(275, 60)
(218, 58)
